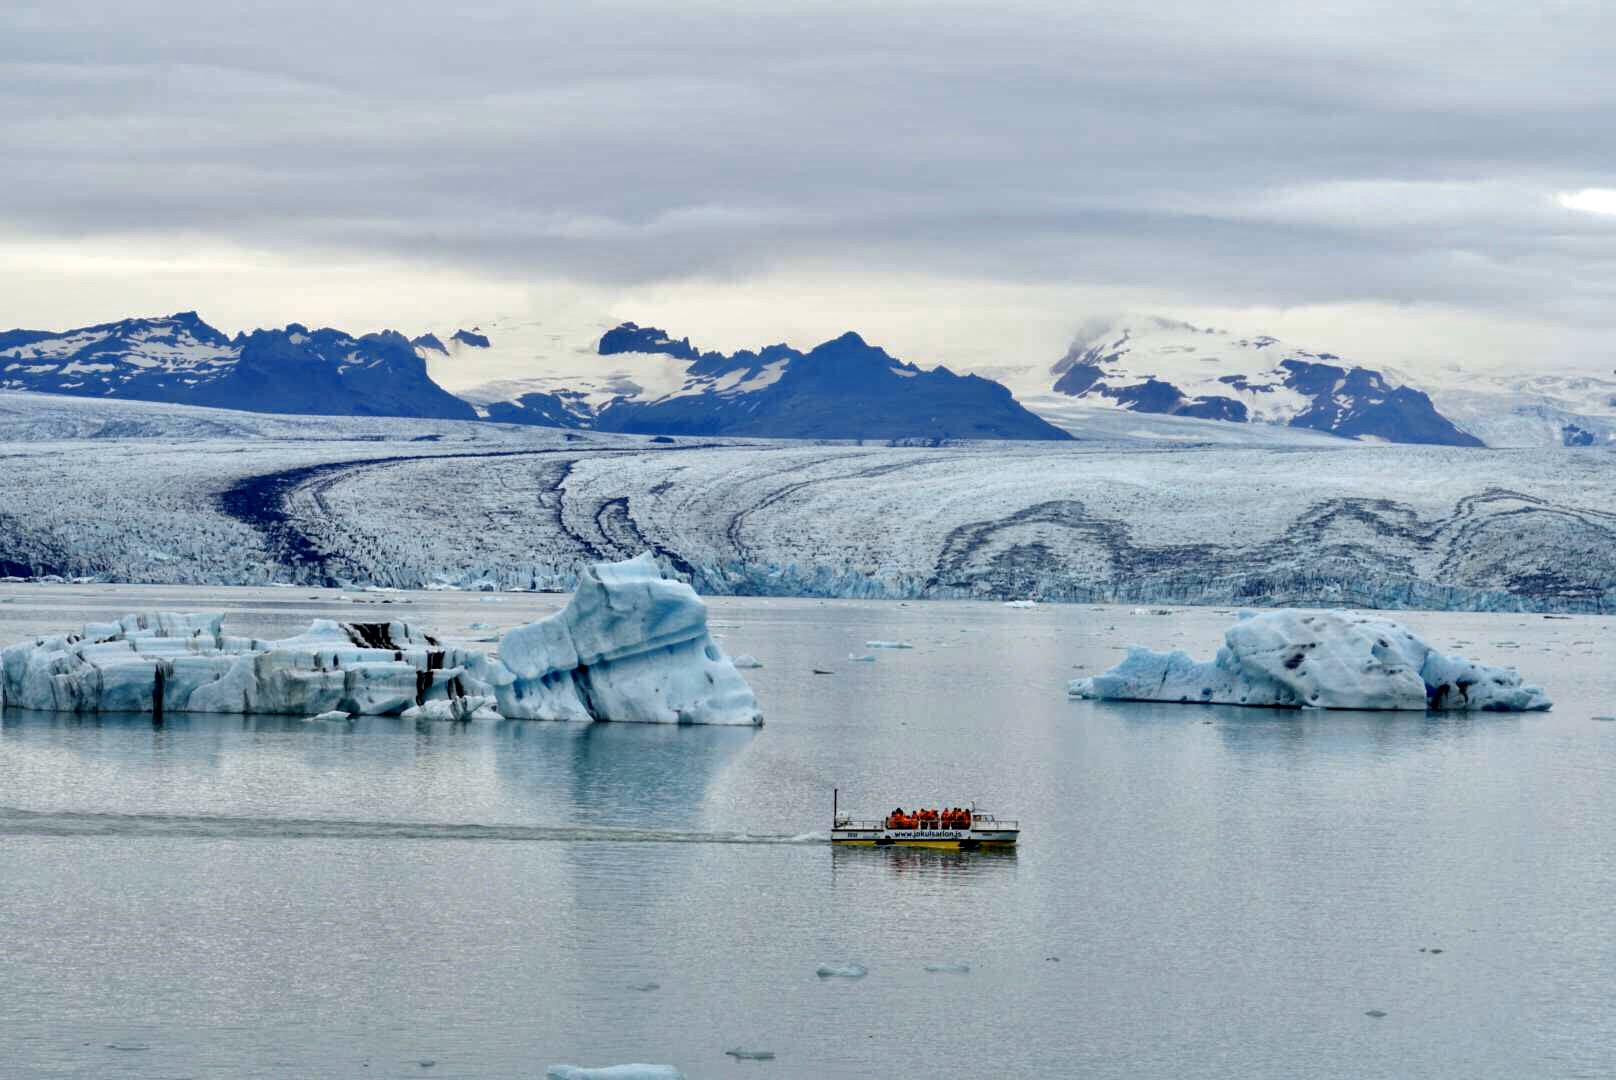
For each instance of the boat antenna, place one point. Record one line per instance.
(834, 794)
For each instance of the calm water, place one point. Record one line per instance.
(1200, 892)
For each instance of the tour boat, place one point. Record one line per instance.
(956, 829)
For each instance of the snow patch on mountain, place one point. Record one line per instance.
(1165, 367)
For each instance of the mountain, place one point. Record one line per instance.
(842, 389)
(182, 359)
(1173, 368)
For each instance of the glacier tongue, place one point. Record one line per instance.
(631, 645)
(1322, 660)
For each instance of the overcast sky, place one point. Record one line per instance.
(952, 179)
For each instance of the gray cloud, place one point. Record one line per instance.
(1280, 156)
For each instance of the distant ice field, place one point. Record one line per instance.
(131, 492)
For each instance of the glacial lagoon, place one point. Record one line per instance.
(1200, 891)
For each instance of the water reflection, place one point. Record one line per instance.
(618, 775)
(1268, 731)
(924, 864)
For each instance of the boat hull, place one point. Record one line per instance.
(935, 839)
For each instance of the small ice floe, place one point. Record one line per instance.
(480, 626)
(1152, 611)
(333, 717)
(950, 967)
(842, 971)
(1319, 660)
(750, 1055)
(861, 658)
(887, 645)
(1021, 603)
(614, 1072)
(1606, 719)
(474, 707)
(746, 660)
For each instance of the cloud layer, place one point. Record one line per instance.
(1366, 157)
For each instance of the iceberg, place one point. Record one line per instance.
(1319, 660)
(175, 663)
(841, 971)
(631, 646)
(614, 1072)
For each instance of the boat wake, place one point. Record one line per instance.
(16, 822)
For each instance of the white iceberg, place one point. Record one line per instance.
(175, 663)
(746, 660)
(614, 1072)
(1321, 660)
(887, 645)
(841, 971)
(632, 646)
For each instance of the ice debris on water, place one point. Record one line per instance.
(614, 1072)
(629, 646)
(950, 967)
(887, 645)
(750, 1055)
(332, 717)
(841, 971)
(861, 658)
(746, 660)
(1021, 603)
(1323, 660)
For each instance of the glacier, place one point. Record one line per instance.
(630, 646)
(204, 496)
(1317, 660)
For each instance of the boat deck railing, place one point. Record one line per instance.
(984, 822)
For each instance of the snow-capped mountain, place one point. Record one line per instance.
(182, 359)
(1173, 368)
(646, 382)
(627, 379)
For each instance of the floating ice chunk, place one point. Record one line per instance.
(332, 717)
(861, 658)
(186, 663)
(1021, 603)
(631, 645)
(1324, 660)
(950, 967)
(614, 1072)
(887, 645)
(479, 707)
(746, 660)
(842, 971)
